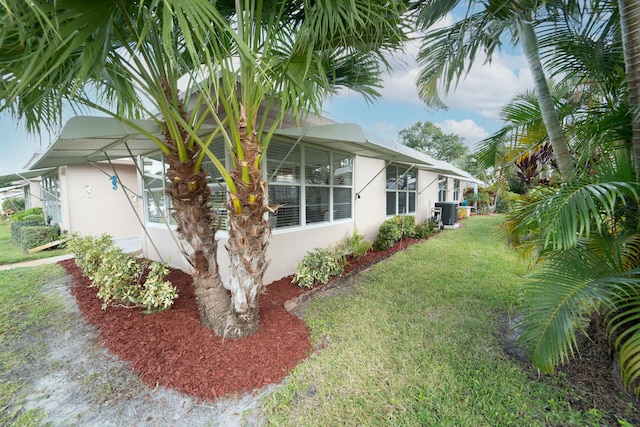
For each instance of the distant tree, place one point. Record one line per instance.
(14, 203)
(429, 138)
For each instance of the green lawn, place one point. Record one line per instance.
(416, 343)
(11, 253)
(26, 313)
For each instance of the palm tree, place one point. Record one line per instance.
(585, 232)
(186, 64)
(448, 53)
(630, 28)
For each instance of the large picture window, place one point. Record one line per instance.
(310, 185)
(401, 190)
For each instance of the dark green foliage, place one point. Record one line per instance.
(22, 215)
(17, 226)
(425, 229)
(37, 235)
(394, 229)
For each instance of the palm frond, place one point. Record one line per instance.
(571, 284)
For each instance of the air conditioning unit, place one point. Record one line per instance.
(449, 212)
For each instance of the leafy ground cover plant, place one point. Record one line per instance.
(318, 266)
(119, 277)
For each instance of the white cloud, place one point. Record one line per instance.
(384, 127)
(489, 87)
(466, 129)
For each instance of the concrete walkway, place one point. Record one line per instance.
(36, 262)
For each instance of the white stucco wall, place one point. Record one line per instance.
(427, 194)
(90, 204)
(370, 184)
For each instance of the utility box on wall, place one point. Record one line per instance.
(449, 212)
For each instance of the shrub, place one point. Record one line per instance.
(13, 204)
(37, 235)
(16, 230)
(318, 266)
(394, 229)
(21, 216)
(407, 225)
(356, 245)
(158, 294)
(118, 276)
(425, 229)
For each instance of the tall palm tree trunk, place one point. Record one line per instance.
(630, 26)
(197, 226)
(545, 100)
(248, 232)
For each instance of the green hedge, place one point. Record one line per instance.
(32, 236)
(17, 226)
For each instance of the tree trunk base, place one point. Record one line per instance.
(216, 310)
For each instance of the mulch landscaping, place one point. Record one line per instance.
(172, 349)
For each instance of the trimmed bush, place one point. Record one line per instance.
(119, 276)
(318, 266)
(37, 235)
(16, 229)
(394, 229)
(22, 215)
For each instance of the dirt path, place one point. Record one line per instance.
(79, 383)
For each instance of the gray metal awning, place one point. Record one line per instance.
(25, 175)
(90, 139)
(351, 138)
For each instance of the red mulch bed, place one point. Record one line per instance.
(172, 349)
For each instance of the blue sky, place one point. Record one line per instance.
(472, 114)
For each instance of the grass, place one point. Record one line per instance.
(11, 253)
(26, 312)
(416, 343)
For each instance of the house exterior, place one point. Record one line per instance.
(328, 179)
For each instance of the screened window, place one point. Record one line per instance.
(156, 201)
(51, 198)
(285, 183)
(310, 185)
(456, 190)
(401, 190)
(442, 188)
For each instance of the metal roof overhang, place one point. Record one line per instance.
(26, 175)
(348, 137)
(90, 139)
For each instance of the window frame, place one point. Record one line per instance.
(405, 191)
(442, 189)
(305, 186)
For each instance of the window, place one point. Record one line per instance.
(401, 190)
(456, 190)
(308, 184)
(51, 198)
(311, 185)
(442, 188)
(158, 203)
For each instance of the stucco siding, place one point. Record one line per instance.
(90, 204)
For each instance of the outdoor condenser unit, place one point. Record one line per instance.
(449, 212)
